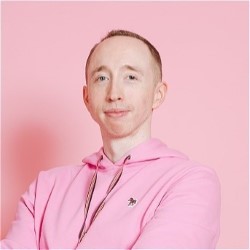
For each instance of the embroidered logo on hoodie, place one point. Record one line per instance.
(132, 202)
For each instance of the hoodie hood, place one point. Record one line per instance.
(152, 149)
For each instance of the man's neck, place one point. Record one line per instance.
(116, 148)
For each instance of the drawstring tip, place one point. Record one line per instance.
(81, 237)
(126, 159)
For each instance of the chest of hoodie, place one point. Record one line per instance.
(140, 187)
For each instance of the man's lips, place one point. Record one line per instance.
(116, 112)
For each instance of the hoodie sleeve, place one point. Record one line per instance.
(187, 216)
(22, 233)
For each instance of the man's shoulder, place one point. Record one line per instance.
(63, 172)
(189, 172)
(180, 166)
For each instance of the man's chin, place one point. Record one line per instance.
(117, 132)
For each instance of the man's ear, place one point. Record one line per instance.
(85, 95)
(160, 93)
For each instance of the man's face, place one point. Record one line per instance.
(122, 87)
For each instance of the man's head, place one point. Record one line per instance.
(123, 84)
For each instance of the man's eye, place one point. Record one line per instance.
(101, 78)
(132, 77)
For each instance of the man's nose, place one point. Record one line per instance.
(114, 92)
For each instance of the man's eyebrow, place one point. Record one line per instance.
(133, 68)
(98, 69)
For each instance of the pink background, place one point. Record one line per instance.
(204, 48)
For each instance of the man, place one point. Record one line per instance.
(134, 192)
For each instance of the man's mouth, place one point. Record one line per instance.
(116, 112)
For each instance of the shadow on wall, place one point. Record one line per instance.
(25, 151)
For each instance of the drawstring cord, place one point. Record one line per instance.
(88, 199)
(90, 195)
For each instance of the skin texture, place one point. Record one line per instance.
(123, 89)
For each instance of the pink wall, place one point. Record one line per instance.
(204, 48)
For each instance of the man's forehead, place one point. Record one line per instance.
(121, 43)
(125, 50)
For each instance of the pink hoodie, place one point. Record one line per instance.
(162, 200)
